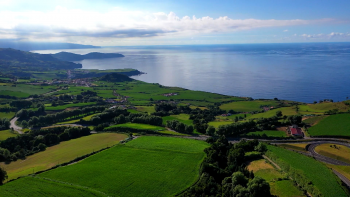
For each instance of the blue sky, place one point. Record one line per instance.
(157, 22)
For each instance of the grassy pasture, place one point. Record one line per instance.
(297, 147)
(284, 188)
(338, 125)
(344, 170)
(285, 111)
(36, 186)
(321, 177)
(216, 124)
(24, 90)
(63, 152)
(314, 120)
(155, 166)
(63, 107)
(184, 118)
(273, 133)
(8, 115)
(341, 153)
(148, 109)
(4, 134)
(247, 106)
(322, 107)
(137, 126)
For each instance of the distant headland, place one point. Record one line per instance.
(66, 56)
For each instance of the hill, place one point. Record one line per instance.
(66, 56)
(30, 46)
(16, 62)
(115, 77)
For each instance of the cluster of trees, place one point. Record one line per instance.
(21, 146)
(236, 129)
(49, 119)
(8, 109)
(179, 126)
(20, 104)
(84, 96)
(4, 124)
(139, 118)
(108, 116)
(166, 109)
(224, 172)
(26, 114)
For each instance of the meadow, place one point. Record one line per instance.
(248, 106)
(320, 176)
(339, 152)
(283, 188)
(286, 111)
(334, 125)
(63, 107)
(268, 133)
(184, 118)
(314, 120)
(24, 90)
(4, 134)
(137, 126)
(8, 115)
(61, 153)
(294, 146)
(154, 166)
(323, 107)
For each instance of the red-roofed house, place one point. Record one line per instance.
(295, 131)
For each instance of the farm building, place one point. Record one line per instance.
(295, 130)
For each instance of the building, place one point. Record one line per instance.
(295, 130)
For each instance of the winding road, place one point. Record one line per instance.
(14, 126)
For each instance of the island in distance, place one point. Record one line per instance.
(66, 56)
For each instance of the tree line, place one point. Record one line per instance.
(223, 171)
(4, 123)
(24, 145)
(179, 126)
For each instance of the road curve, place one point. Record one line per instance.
(311, 149)
(14, 126)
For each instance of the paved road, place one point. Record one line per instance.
(14, 126)
(323, 158)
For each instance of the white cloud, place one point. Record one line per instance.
(286, 30)
(326, 36)
(79, 25)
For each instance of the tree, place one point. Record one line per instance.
(238, 178)
(258, 187)
(210, 131)
(279, 114)
(3, 176)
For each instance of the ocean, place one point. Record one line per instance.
(304, 72)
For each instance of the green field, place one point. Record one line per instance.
(273, 133)
(216, 124)
(149, 166)
(8, 115)
(63, 107)
(334, 125)
(148, 109)
(184, 118)
(137, 126)
(4, 134)
(322, 107)
(247, 106)
(322, 178)
(286, 111)
(283, 188)
(314, 120)
(294, 146)
(339, 152)
(24, 90)
(63, 152)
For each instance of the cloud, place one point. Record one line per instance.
(62, 23)
(286, 30)
(326, 36)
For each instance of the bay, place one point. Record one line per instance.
(303, 72)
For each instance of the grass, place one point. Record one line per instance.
(268, 114)
(314, 120)
(148, 109)
(146, 166)
(24, 90)
(167, 132)
(334, 125)
(8, 115)
(321, 177)
(63, 107)
(344, 170)
(297, 147)
(216, 124)
(137, 126)
(279, 188)
(184, 118)
(63, 152)
(4, 134)
(36, 186)
(341, 153)
(247, 106)
(322, 107)
(274, 133)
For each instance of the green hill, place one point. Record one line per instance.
(115, 77)
(66, 56)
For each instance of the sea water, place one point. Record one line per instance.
(303, 72)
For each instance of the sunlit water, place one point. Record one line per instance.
(300, 72)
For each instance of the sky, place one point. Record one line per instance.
(175, 22)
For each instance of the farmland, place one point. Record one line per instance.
(63, 107)
(334, 125)
(184, 118)
(137, 126)
(273, 133)
(63, 152)
(8, 115)
(4, 134)
(24, 90)
(314, 120)
(155, 166)
(285, 188)
(297, 147)
(322, 178)
(248, 106)
(338, 152)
